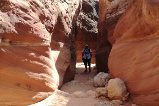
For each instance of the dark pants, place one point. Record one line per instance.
(87, 61)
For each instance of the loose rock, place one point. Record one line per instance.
(101, 92)
(79, 94)
(116, 89)
(101, 79)
(90, 93)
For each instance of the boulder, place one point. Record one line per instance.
(116, 89)
(134, 56)
(101, 79)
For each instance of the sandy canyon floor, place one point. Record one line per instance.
(84, 82)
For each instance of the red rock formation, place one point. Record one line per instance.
(27, 69)
(63, 40)
(134, 56)
(87, 28)
(109, 14)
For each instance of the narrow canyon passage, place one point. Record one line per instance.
(42, 40)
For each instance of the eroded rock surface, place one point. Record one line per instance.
(109, 13)
(27, 67)
(134, 56)
(63, 39)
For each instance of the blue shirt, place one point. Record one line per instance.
(87, 53)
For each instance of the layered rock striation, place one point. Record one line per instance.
(27, 63)
(134, 56)
(109, 13)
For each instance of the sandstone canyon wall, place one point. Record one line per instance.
(86, 32)
(27, 67)
(109, 13)
(134, 56)
(63, 39)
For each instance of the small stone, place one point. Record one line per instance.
(102, 91)
(79, 94)
(90, 93)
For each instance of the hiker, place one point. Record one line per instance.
(86, 57)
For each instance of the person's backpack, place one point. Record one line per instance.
(88, 50)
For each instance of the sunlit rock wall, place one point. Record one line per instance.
(63, 39)
(27, 67)
(135, 54)
(109, 13)
(86, 32)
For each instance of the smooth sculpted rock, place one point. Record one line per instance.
(109, 13)
(27, 68)
(135, 54)
(116, 89)
(101, 79)
(63, 37)
(55, 99)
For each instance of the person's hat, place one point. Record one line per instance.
(86, 45)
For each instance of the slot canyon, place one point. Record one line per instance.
(41, 44)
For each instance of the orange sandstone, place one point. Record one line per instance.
(134, 56)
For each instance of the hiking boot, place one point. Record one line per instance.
(85, 71)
